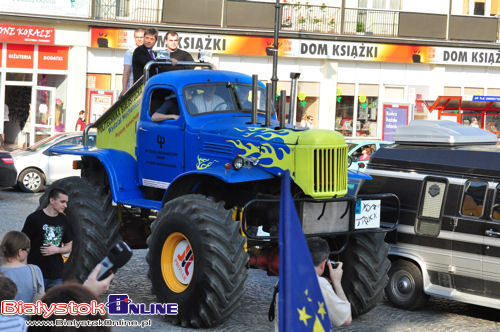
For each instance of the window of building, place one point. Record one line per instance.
(474, 198)
(344, 113)
(452, 91)
(474, 91)
(366, 119)
(479, 8)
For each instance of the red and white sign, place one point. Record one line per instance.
(99, 102)
(52, 57)
(26, 34)
(20, 56)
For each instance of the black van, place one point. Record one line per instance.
(447, 244)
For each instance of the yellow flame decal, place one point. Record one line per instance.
(266, 134)
(269, 156)
(204, 163)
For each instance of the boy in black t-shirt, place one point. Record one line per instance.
(48, 229)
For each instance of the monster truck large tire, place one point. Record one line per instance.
(365, 271)
(197, 259)
(94, 223)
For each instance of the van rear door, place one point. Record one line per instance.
(491, 248)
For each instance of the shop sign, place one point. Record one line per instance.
(26, 34)
(20, 56)
(486, 98)
(394, 116)
(75, 8)
(301, 48)
(52, 57)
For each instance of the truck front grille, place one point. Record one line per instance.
(330, 170)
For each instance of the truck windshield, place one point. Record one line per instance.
(217, 98)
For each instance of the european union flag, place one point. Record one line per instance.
(301, 305)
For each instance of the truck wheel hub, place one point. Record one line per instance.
(404, 285)
(177, 262)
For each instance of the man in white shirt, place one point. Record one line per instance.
(209, 101)
(128, 78)
(339, 308)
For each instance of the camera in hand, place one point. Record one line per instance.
(118, 256)
(326, 273)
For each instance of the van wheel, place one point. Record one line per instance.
(365, 271)
(197, 259)
(406, 288)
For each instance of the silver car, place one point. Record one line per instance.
(37, 167)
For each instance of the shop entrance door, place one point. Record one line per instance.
(44, 113)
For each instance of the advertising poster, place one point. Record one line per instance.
(394, 117)
(76, 8)
(99, 102)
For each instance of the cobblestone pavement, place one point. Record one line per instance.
(439, 314)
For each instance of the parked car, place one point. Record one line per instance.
(447, 243)
(37, 167)
(8, 174)
(356, 150)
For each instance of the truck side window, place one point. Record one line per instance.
(474, 198)
(163, 101)
(495, 213)
(430, 211)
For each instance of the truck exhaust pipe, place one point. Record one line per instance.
(269, 105)
(293, 97)
(282, 108)
(255, 91)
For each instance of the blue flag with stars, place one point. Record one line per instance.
(301, 305)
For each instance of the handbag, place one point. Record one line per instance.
(38, 288)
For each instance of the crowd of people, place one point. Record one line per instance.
(32, 264)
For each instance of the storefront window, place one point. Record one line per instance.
(344, 115)
(472, 120)
(58, 82)
(19, 77)
(493, 122)
(366, 124)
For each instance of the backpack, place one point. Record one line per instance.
(38, 288)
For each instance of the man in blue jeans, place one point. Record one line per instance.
(51, 236)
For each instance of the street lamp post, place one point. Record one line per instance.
(277, 20)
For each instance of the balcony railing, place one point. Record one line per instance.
(309, 18)
(144, 11)
(306, 18)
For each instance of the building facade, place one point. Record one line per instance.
(363, 64)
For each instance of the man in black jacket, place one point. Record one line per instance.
(176, 54)
(144, 53)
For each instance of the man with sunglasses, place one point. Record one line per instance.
(51, 236)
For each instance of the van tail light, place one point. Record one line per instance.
(77, 164)
(8, 160)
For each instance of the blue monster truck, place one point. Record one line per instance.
(211, 170)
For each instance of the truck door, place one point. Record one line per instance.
(160, 144)
(467, 242)
(491, 249)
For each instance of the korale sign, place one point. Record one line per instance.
(24, 34)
